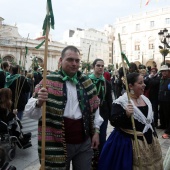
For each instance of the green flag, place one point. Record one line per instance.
(125, 58)
(39, 45)
(48, 21)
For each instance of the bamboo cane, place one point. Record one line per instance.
(88, 59)
(18, 89)
(132, 119)
(44, 104)
(24, 59)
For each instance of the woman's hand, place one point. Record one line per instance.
(129, 110)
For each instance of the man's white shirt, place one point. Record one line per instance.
(72, 108)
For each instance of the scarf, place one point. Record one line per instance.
(101, 81)
(71, 79)
(10, 79)
(95, 79)
(7, 73)
(138, 115)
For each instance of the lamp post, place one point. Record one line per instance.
(164, 37)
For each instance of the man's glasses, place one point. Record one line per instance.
(98, 65)
(72, 60)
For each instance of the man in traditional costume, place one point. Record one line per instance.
(4, 72)
(72, 115)
(5, 66)
(19, 87)
(104, 92)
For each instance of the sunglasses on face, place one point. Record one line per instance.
(72, 60)
(98, 65)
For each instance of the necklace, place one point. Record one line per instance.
(138, 101)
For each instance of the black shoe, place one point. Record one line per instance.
(161, 127)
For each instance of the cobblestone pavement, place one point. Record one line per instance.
(28, 159)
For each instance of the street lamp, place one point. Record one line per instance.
(164, 37)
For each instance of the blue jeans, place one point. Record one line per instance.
(103, 134)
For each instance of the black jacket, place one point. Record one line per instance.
(106, 104)
(2, 79)
(153, 85)
(24, 88)
(37, 78)
(164, 92)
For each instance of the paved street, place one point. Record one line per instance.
(28, 159)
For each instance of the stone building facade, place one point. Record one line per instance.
(139, 37)
(93, 43)
(12, 48)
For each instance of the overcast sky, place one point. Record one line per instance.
(70, 14)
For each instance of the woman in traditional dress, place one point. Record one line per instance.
(119, 151)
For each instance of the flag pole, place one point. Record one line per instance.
(26, 52)
(88, 59)
(44, 104)
(128, 95)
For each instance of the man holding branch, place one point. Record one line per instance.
(72, 115)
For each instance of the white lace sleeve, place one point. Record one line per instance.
(31, 110)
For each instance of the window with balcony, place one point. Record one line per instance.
(152, 24)
(124, 29)
(151, 46)
(137, 27)
(167, 20)
(137, 46)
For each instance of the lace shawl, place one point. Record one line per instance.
(138, 115)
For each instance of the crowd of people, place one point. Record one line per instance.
(79, 107)
(15, 90)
